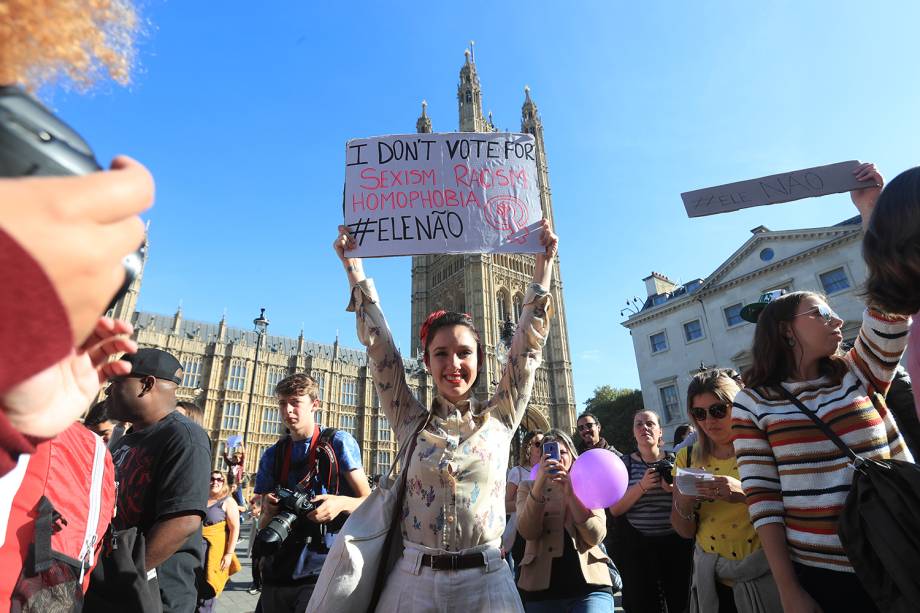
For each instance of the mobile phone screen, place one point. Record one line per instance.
(551, 448)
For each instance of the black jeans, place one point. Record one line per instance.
(652, 567)
(833, 590)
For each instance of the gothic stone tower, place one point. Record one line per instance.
(491, 287)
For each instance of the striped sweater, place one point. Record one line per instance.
(791, 472)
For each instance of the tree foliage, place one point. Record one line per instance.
(615, 408)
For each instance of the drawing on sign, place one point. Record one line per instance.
(773, 189)
(442, 193)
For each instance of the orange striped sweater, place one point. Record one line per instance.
(791, 472)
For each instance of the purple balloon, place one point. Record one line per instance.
(533, 472)
(599, 478)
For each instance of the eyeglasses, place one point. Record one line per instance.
(716, 411)
(587, 426)
(826, 313)
(217, 479)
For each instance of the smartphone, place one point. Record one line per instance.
(551, 448)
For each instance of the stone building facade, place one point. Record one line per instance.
(491, 287)
(231, 372)
(681, 327)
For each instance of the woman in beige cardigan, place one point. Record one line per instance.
(563, 568)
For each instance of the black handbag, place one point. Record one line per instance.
(120, 581)
(879, 525)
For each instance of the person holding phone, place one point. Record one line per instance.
(564, 567)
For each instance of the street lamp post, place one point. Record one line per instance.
(261, 326)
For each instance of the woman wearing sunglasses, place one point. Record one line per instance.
(730, 570)
(531, 453)
(221, 529)
(796, 479)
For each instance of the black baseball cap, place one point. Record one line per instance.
(155, 363)
(751, 312)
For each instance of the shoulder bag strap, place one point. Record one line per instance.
(856, 459)
(382, 569)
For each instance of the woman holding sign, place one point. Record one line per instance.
(796, 479)
(454, 510)
(730, 570)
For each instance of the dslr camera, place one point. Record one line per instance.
(293, 505)
(664, 467)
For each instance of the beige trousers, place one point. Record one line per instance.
(412, 588)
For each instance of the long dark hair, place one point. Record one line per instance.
(774, 359)
(891, 246)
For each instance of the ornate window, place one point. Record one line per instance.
(384, 433)
(271, 420)
(274, 375)
(236, 376)
(320, 378)
(233, 412)
(349, 392)
(191, 371)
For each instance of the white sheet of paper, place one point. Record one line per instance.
(687, 480)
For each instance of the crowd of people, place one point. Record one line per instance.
(760, 534)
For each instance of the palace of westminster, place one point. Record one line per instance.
(232, 373)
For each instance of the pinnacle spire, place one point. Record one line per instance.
(423, 124)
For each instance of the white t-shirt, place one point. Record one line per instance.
(518, 474)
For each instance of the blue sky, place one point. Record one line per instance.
(242, 113)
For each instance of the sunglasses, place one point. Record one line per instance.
(826, 313)
(716, 411)
(587, 426)
(217, 479)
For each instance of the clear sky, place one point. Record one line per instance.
(242, 114)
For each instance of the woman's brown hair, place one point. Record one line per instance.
(41, 40)
(524, 458)
(774, 359)
(891, 247)
(721, 385)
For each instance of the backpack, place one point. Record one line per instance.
(320, 461)
(56, 522)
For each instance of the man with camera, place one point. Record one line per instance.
(310, 481)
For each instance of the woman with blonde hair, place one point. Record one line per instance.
(730, 570)
(564, 567)
(220, 529)
(653, 560)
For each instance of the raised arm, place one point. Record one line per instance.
(396, 400)
(509, 402)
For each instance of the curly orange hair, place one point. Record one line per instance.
(41, 40)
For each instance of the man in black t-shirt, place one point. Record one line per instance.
(162, 468)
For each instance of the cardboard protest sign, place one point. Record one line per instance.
(795, 185)
(463, 192)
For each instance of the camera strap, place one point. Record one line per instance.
(288, 445)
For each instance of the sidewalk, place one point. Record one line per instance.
(234, 598)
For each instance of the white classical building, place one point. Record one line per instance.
(681, 327)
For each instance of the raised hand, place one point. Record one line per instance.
(49, 402)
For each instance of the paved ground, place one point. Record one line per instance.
(235, 599)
